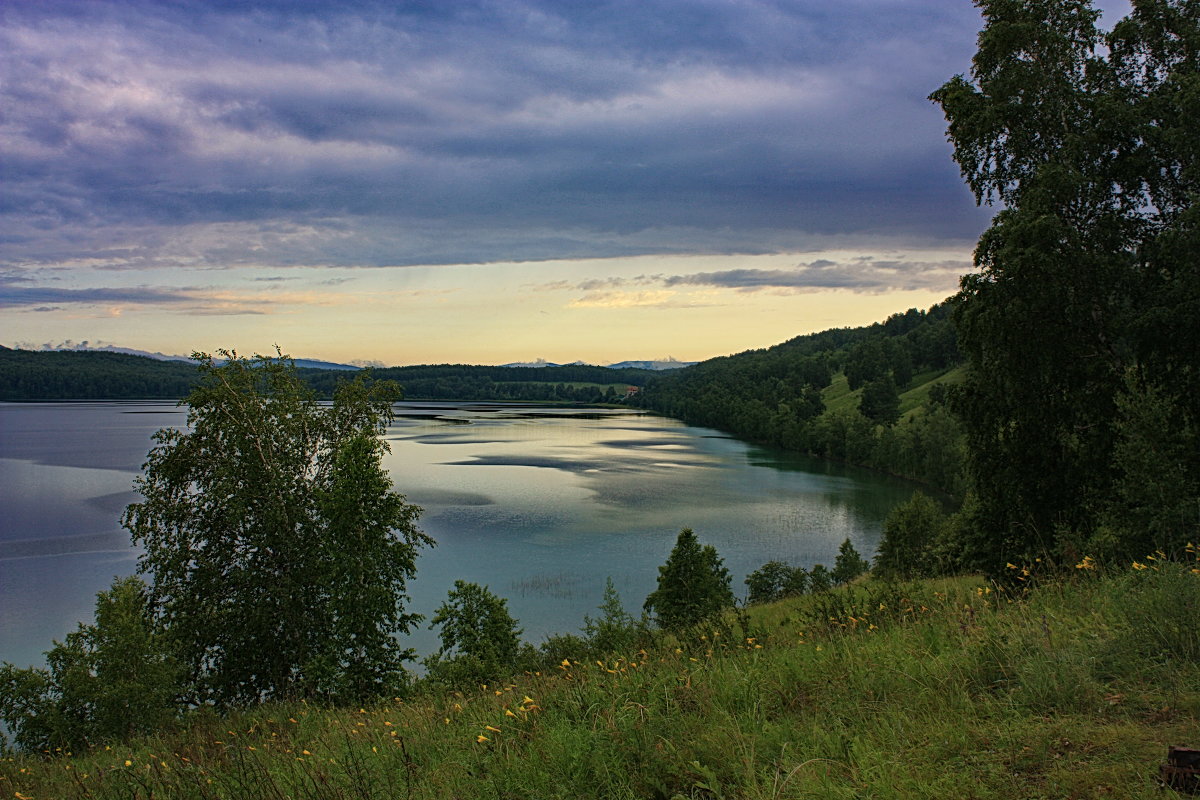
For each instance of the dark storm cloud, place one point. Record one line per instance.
(220, 134)
(862, 275)
(18, 296)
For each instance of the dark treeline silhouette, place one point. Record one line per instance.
(87, 375)
(90, 375)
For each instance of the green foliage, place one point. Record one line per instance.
(849, 564)
(777, 580)
(278, 549)
(910, 533)
(615, 631)
(785, 396)
(1088, 275)
(1156, 499)
(820, 579)
(693, 586)
(573, 383)
(108, 681)
(85, 375)
(89, 375)
(880, 401)
(774, 581)
(480, 640)
(1038, 694)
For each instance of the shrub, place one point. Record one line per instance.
(909, 533)
(108, 681)
(849, 564)
(480, 640)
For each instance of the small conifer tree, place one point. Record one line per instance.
(693, 585)
(849, 564)
(616, 630)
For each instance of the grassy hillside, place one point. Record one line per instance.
(946, 689)
(839, 397)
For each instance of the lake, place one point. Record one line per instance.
(541, 504)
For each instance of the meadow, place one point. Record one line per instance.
(952, 688)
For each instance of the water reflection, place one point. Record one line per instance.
(540, 504)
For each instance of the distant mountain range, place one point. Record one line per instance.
(668, 363)
(309, 363)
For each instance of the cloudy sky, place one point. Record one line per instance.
(483, 182)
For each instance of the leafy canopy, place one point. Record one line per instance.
(480, 639)
(1087, 289)
(277, 549)
(107, 681)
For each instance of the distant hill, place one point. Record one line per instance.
(566, 383)
(308, 363)
(871, 396)
(91, 375)
(85, 347)
(838, 393)
(106, 375)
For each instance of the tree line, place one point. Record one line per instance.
(777, 396)
(90, 375)
(83, 375)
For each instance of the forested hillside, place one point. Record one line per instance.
(90, 375)
(572, 383)
(872, 396)
(84, 375)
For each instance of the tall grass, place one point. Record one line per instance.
(950, 689)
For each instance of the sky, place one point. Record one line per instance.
(451, 181)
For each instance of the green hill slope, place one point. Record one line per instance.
(946, 689)
(870, 396)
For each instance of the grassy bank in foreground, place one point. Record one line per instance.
(941, 689)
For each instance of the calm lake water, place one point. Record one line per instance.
(540, 504)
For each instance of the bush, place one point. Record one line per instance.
(108, 681)
(909, 534)
(769, 582)
(480, 640)
(849, 564)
